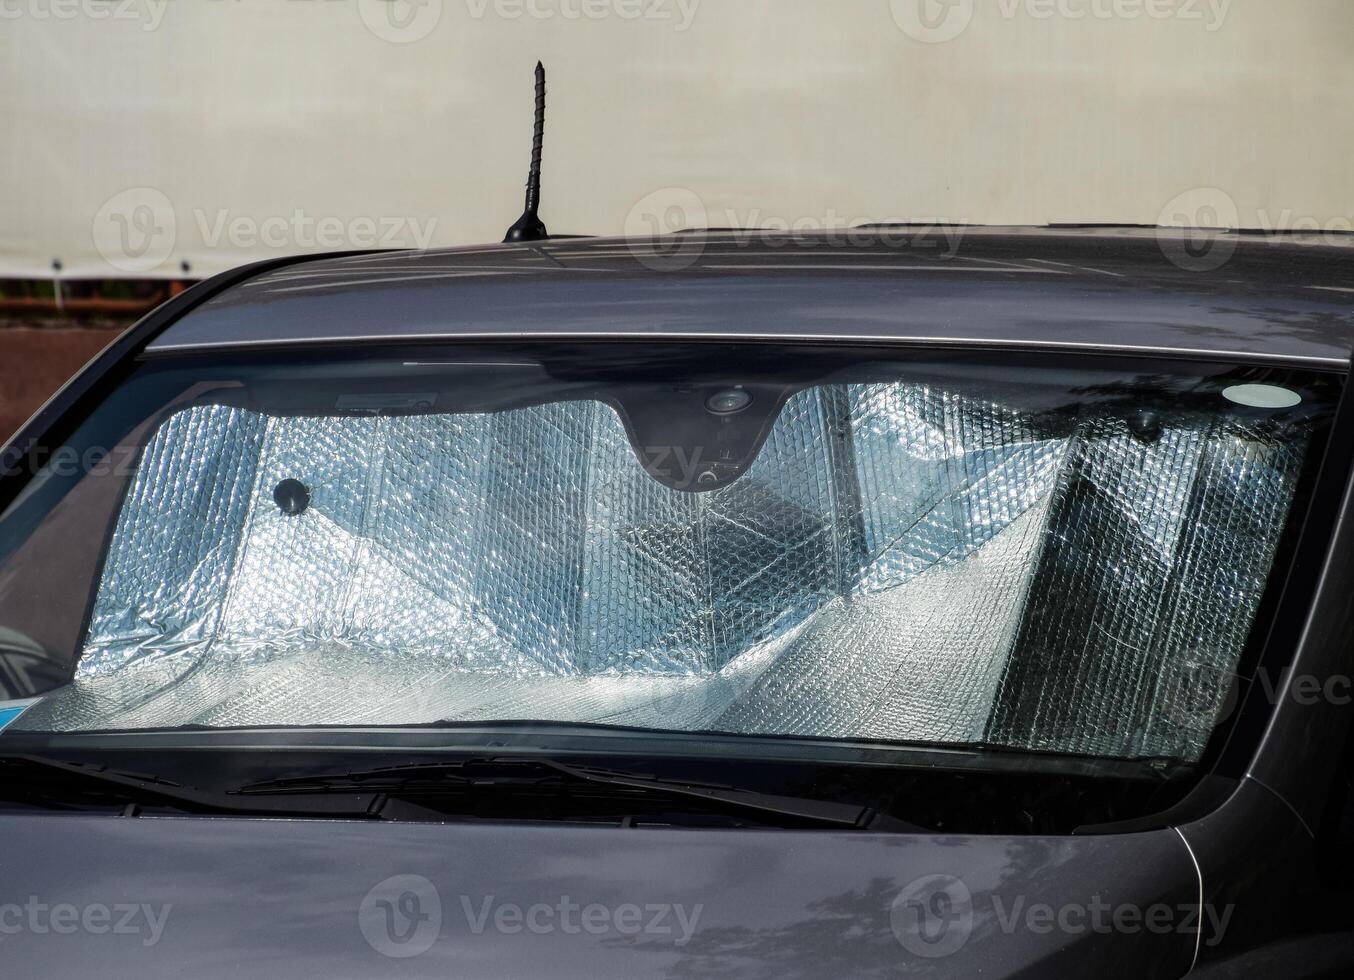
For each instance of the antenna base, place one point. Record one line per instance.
(528, 228)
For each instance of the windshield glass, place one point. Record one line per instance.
(918, 547)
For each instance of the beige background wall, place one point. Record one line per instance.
(141, 133)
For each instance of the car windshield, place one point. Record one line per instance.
(913, 547)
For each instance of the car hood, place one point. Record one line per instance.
(211, 897)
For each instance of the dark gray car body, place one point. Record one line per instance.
(251, 897)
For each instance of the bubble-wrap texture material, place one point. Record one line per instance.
(900, 563)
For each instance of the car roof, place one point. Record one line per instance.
(1150, 291)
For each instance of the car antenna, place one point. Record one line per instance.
(529, 227)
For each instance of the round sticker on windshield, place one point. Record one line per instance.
(1262, 396)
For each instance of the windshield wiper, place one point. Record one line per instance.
(79, 785)
(385, 793)
(505, 774)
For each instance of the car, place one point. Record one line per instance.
(950, 601)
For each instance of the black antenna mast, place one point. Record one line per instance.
(529, 227)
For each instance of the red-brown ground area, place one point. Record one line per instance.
(36, 358)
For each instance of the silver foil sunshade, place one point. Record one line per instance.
(900, 563)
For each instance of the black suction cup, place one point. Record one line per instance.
(291, 497)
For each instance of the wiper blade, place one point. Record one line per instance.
(58, 781)
(384, 793)
(506, 773)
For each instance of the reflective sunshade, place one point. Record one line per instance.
(1034, 564)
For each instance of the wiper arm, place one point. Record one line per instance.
(435, 777)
